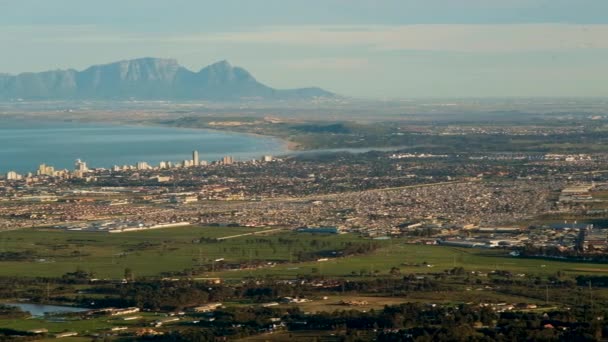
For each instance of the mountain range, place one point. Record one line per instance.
(147, 79)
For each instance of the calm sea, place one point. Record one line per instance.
(26, 144)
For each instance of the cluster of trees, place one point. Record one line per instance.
(79, 276)
(12, 335)
(17, 256)
(412, 321)
(172, 295)
(554, 252)
(19, 287)
(11, 312)
(418, 322)
(397, 286)
(406, 322)
(589, 280)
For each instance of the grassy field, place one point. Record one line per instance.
(474, 294)
(411, 259)
(307, 336)
(151, 252)
(107, 255)
(82, 326)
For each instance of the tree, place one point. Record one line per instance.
(129, 275)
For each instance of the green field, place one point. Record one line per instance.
(307, 336)
(150, 253)
(82, 326)
(411, 258)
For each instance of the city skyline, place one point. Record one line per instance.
(81, 167)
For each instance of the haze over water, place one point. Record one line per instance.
(26, 144)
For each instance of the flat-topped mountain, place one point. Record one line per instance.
(147, 79)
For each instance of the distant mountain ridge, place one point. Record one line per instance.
(147, 79)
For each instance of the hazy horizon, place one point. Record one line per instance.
(360, 48)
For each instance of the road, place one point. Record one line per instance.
(254, 233)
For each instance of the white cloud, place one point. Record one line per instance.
(466, 38)
(327, 63)
(424, 37)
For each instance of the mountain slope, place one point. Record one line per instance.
(146, 79)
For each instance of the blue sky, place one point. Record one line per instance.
(362, 48)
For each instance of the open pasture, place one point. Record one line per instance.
(408, 258)
(52, 253)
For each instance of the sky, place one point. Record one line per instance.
(360, 48)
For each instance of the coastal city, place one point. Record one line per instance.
(304, 171)
(377, 194)
(314, 213)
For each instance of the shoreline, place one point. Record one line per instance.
(288, 146)
(214, 143)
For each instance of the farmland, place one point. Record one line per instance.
(270, 264)
(423, 259)
(49, 253)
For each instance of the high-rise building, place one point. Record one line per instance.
(142, 166)
(195, 160)
(12, 175)
(44, 170)
(267, 158)
(81, 166)
(227, 160)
